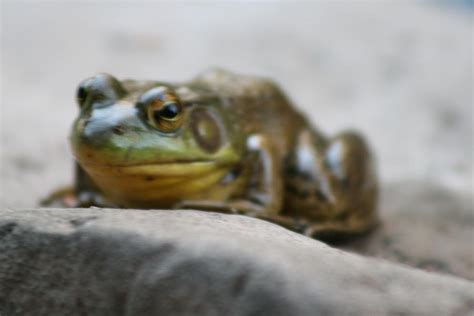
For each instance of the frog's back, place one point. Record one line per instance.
(258, 106)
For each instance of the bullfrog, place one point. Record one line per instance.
(222, 142)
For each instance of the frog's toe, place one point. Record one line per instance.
(63, 198)
(88, 199)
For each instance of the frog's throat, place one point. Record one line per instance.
(157, 184)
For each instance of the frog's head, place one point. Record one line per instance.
(145, 136)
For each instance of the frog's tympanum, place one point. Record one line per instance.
(221, 142)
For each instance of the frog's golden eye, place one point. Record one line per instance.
(167, 116)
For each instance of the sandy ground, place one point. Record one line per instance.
(400, 73)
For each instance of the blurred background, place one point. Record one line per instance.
(399, 72)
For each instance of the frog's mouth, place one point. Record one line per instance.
(162, 169)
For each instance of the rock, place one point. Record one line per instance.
(131, 262)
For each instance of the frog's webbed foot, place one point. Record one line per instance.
(327, 231)
(62, 198)
(91, 198)
(68, 198)
(83, 194)
(244, 207)
(339, 231)
(229, 207)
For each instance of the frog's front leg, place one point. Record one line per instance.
(264, 196)
(83, 193)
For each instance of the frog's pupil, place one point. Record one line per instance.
(170, 111)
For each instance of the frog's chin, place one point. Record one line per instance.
(156, 184)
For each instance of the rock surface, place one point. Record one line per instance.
(130, 262)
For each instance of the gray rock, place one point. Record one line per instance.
(130, 262)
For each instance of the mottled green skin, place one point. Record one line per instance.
(241, 148)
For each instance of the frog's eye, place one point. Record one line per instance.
(81, 95)
(167, 116)
(102, 89)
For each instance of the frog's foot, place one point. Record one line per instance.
(244, 207)
(327, 231)
(68, 198)
(63, 198)
(336, 231)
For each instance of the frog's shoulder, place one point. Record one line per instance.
(230, 83)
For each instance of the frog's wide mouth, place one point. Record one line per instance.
(161, 169)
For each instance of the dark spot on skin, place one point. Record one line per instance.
(345, 184)
(118, 130)
(253, 184)
(291, 170)
(304, 194)
(290, 188)
(344, 215)
(328, 164)
(301, 193)
(255, 199)
(232, 175)
(149, 178)
(305, 176)
(320, 196)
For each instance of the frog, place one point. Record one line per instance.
(221, 142)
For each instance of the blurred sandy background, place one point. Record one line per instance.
(399, 72)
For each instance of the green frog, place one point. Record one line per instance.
(221, 142)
